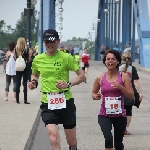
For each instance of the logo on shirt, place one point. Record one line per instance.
(57, 64)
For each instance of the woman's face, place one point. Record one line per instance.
(111, 61)
(85, 51)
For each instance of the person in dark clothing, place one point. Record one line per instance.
(21, 50)
(32, 54)
(132, 72)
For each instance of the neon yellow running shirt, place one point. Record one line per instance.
(52, 69)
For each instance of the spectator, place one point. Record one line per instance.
(3, 60)
(72, 51)
(21, 50)
(132, 72)
(10, 70)
(77, 49)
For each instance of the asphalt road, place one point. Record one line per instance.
(41, 140)
(89, 134)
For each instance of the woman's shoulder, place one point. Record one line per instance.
(124, 76)
(99, 77)
(8, 53)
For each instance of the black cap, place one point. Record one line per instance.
(50, 35)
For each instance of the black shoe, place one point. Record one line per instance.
(70, 148)
(26, 103)
(18, 102)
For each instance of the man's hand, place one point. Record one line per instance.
(61, 85)
(31, 85)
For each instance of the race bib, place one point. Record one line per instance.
(113, 105)
(56, 101)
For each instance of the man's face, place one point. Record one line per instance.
(61, 48)
(51, 46)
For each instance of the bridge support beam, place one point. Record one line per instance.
(47, 20)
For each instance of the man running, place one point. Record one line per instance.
(57, 103)
(85, 57)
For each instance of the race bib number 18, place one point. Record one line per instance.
(56, 101)
(113, 105)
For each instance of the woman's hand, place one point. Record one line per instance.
(140, 97)
(115, 85)
(96, 96)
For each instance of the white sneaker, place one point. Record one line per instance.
(6, 99)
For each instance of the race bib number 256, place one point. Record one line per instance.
(56, 101)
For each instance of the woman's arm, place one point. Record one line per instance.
(7, 54)
(96, 87)
(127, 89)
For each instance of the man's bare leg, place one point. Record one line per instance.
(54, 136)
(71, 138)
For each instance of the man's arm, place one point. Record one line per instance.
(35, 77)
(79, 79)
(76, 81)
(34, 81)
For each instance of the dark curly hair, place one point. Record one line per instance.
(11, 46)
(116, 54)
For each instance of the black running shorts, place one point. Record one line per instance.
(65, 116)
(85, 66)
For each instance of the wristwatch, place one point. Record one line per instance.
(69, 84)
(36, 82)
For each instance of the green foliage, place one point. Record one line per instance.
(20, 30)
(2, 24)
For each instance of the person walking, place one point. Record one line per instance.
(132, 72)
(110, 87)
(10, 70)
(4, 60)
(22, 52)
(57, 103)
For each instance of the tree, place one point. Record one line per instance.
(20, 30)
(21, 26)
(2, 24)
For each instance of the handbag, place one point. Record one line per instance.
(136, 96)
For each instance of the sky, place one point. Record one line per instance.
(78, 15)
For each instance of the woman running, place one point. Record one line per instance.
(110, 87)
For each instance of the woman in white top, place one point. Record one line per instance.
(10, 70)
